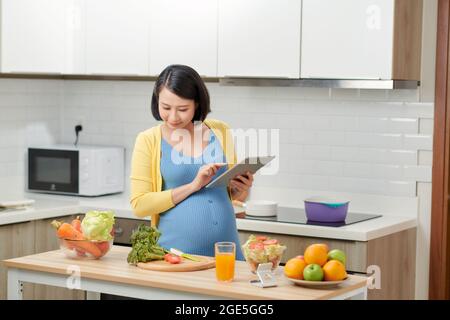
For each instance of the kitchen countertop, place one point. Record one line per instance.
(114, 270)
(49, 206)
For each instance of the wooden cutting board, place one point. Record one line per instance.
(184, 266)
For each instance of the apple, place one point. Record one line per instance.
(338, 255)
(313, 272)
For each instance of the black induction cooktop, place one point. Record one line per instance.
(298, 216)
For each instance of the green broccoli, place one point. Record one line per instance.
(145, 246)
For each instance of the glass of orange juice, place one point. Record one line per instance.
(225, 257)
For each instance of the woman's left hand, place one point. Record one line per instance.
(240, 186)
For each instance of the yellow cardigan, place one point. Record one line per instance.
(147, 197)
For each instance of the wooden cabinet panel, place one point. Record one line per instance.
(16, 240)
(395, 255)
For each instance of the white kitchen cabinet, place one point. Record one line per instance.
(184, 32)
(117, 37)
(42, 36)
(361, 39)
(32, 36)
(259, 38)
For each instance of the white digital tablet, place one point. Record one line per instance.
(251, 164)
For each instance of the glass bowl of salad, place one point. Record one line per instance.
(262, 249)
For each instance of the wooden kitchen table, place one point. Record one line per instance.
(113, 275)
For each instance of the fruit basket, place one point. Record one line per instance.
(318, 267)
(261, 249)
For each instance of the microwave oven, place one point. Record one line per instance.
(77, 170)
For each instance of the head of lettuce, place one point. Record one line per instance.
(97, 225)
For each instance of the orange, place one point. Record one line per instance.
(324, 245)
(316, 254)
(294, 268)
(334, 270)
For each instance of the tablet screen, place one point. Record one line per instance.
(252, 164)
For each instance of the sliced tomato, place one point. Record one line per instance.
(256, 246)
(261, 238)
(271, 241)
(170, 258)
(174, 259)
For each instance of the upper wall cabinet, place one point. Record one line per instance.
(42, 36)
(33, 36)
(361, 39)
(117, 37)
(259, 38)
(184, 32)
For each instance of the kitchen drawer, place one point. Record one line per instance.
(356, 251)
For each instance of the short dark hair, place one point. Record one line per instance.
(186, 83)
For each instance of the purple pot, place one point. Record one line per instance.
(321, 211)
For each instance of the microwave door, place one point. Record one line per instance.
(53, 170)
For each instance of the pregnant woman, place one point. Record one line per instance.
(173, 161)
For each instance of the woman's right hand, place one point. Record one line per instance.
(205, 174)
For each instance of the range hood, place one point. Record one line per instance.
(321, 83)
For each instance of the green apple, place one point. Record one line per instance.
(338, 255)
(313, 272)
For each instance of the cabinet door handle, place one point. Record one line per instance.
(118, 231)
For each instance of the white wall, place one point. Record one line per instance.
(29, 115)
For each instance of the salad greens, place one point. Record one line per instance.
(261, 249)
(97, 225)
(145, 246)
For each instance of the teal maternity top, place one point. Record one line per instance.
(205, 217)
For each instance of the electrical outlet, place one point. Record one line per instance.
(80, 120)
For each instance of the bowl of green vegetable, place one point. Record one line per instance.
(90, 238)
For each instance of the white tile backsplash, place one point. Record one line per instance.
(418, 141)
(365, 137)
(420, 173)
(425, 158)
(29, 115)
(426, 126)
(377, 140)
(352, 140)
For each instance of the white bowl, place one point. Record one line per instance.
(261, 208)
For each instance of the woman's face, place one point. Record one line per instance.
(175, 111)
